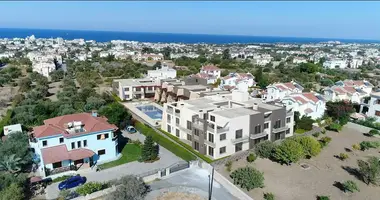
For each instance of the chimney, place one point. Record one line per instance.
(94, 113)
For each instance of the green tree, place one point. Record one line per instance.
(116, 114)
(311, 146)
(11, 164)
(166, 52)
(289, 151)
(157, 65)
(248, 178)
(226, 54)
(370, 170)
(57, 75)
(14, 192)
(350, 186)
(339, 110)
(94, 103)
(149, 150)
(18, 145)
(25, 84)
(130, 188)
(305, 123)
(265, 149)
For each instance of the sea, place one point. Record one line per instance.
(105, 36)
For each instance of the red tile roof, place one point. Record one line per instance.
(311, 97)
(281, 87)
(60, 153)
(290, 85)
(350, 90)
(300, 99)
(58, 125)
(210, 68)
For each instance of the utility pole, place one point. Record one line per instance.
(210, 184)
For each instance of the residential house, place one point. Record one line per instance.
(211, 70)
(221, 125)
(128, 89)
(164, 73)
(240, 81)
(307, 104)
(73, 141)
(348, 90)
(332, 64)
(278, 91)
(374, 106)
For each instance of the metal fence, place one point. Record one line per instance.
(178, 167)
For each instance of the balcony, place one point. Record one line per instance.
(169, 110)
(289, 113)
(149, 91)
(209, 143)
(243, 139)
(198, 125)
(177, 114)
(184, 129)
(279, 129)
(259, 135)
(220, 129)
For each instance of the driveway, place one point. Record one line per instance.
(167, 158)
(194, 177)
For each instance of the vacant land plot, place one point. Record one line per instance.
(295, 183)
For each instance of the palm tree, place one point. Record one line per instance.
(11, 164)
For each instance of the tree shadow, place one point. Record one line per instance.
(339, 185)
(367, 135)
(348, 150)
(352, 171)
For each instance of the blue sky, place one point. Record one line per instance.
(354, 20)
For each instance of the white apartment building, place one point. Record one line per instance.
(163, 73)
(278, 91)
(43, 68)
(299, 60)
(128, 89)
(211, 70)
(332, 64)
(240, 81)
(307, 104)
(223, 124)
(374, 106)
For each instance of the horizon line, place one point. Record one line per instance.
(181, 33)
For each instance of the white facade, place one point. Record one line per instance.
(43, 68)
(211, 70)
(348, 90)
(332, 64)
(374, 106)
(278, 91)
(307, 104)
(163, 73)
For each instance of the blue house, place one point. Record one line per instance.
(73, 141)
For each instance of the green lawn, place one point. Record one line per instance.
(130, 152)
(300, 131)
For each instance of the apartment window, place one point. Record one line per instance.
(211, 137)
(85, 143)
(212, 118)
(188, 125)
(277, 124)
(57, 165)
(377, 113)
(177, 120)
(239, 134)
(189, 137)
(73, 145)
(222, 137)
(196, 132)
(106, 135)
(210, 151)
(222, 150)
(238, 147)
(378, 101)
(44, 143)
(257, 129)
(61, 140)
(79, 144)
(169, 118)
(177, 132)
(101, 152)
(126, 89)
(169, 129)
(196, 145)
(212, 126)
(287, 131)
(288, 120)
(127, 96)
(266, 125)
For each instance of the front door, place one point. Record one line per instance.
(91, 161)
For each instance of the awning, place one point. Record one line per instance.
(60, 153)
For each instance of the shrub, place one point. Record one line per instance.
(335, 127)
(269, 196)
(324, 141)
(316, 134)
(289, 151)
(252, 157)
(228, 165)
(365, 145)
(373, 132)
(356, 146)
(323, 198)
(310, 146)
(350, 186)
(131, 188)
(89, 188)
(370, 170)
(343, 156)
(137, 142)
(248, 178)
(305, 123)
(265, 149)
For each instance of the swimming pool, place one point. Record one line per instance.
(152, 111)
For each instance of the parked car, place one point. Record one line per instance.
(131, 129)
(72, 182)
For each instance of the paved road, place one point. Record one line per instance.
(193, 177)
(167, 158)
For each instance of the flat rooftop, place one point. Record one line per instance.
(137, 82)
(235, 112)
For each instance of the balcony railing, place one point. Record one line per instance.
(222, 129)
(242, 139)
(279, 129)
(60, 170)
(259, 135)
(209, 143)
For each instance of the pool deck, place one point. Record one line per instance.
(132, 107)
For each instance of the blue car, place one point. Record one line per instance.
(72, 182)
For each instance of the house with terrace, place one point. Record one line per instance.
(241, 81)
(307, 104)
(72, 142)
(349, 90)
(278, 91)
